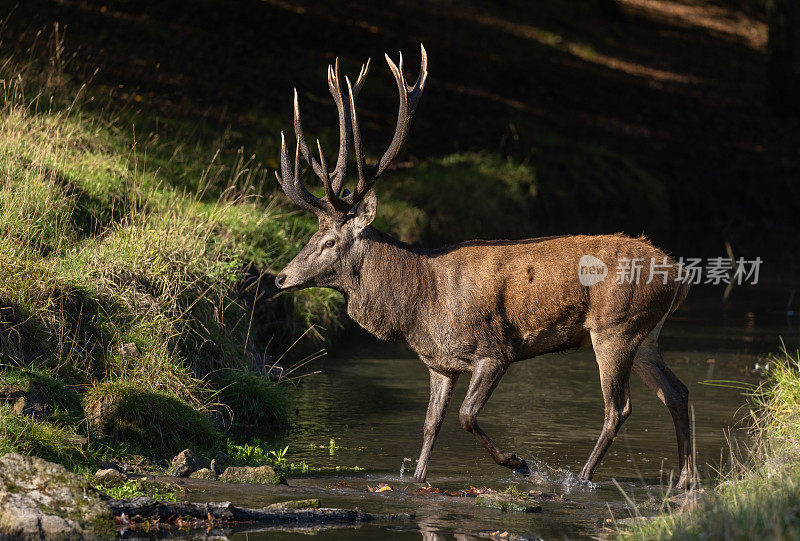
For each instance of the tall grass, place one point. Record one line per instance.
(132, 268)
(759, 498)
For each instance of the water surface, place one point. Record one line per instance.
(371, 399)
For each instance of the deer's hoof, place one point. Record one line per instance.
(519, 466)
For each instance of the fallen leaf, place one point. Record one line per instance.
(429, 490)
(380, 487)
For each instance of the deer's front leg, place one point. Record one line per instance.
(441, 391)
(486, 375)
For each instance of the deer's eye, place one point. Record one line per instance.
(329, 243)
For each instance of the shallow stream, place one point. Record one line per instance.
(371, 399)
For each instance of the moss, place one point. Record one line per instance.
(147, 420)
(252, 399)
(261, 475)
(507, 503)
(48, 440)
(66, 402)
(312, 503)
(141, 487)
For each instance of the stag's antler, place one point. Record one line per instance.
(334, 204)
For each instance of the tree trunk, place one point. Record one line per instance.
(783, 62)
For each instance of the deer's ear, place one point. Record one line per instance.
(365, 211)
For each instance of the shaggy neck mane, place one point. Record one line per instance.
(386, 293)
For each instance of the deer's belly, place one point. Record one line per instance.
(535, 343)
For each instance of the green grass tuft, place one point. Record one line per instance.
(45, 439)
(66, 402)
(146, 419)
(479, 195)
(760, 497)
(252, 399)
(134, 488)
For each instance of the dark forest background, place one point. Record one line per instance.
(670, 118)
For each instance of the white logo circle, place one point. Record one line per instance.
(591, 270)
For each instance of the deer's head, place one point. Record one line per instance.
(338, 246)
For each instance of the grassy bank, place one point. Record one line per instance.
(760, 497)
(132, 305)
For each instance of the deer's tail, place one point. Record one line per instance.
(680, 295)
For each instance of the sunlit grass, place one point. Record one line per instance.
(131, 489)
(116, 242)
(759, 498)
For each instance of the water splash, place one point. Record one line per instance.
(403, 466)
(542, 473)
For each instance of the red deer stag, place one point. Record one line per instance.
(479, 306)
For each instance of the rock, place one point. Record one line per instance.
(185, 463)
(110, 477)
(204, 473)
(507, 502)
(262, 475)
(154, 484)
(312, 503)
(218, 462)
(129, 351)
(30, 402)
(42, 500)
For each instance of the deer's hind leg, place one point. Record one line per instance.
(486, 375)
(650, 367)
(614, 353)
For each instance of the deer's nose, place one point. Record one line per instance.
(280, 280)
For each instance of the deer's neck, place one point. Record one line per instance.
(393, 283)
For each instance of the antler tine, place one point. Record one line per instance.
(362, 76)
(361, 186)
(298, 130)
(340, 170)
(326, 180)
(409, 97)
(290, 181)
(416, 91)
